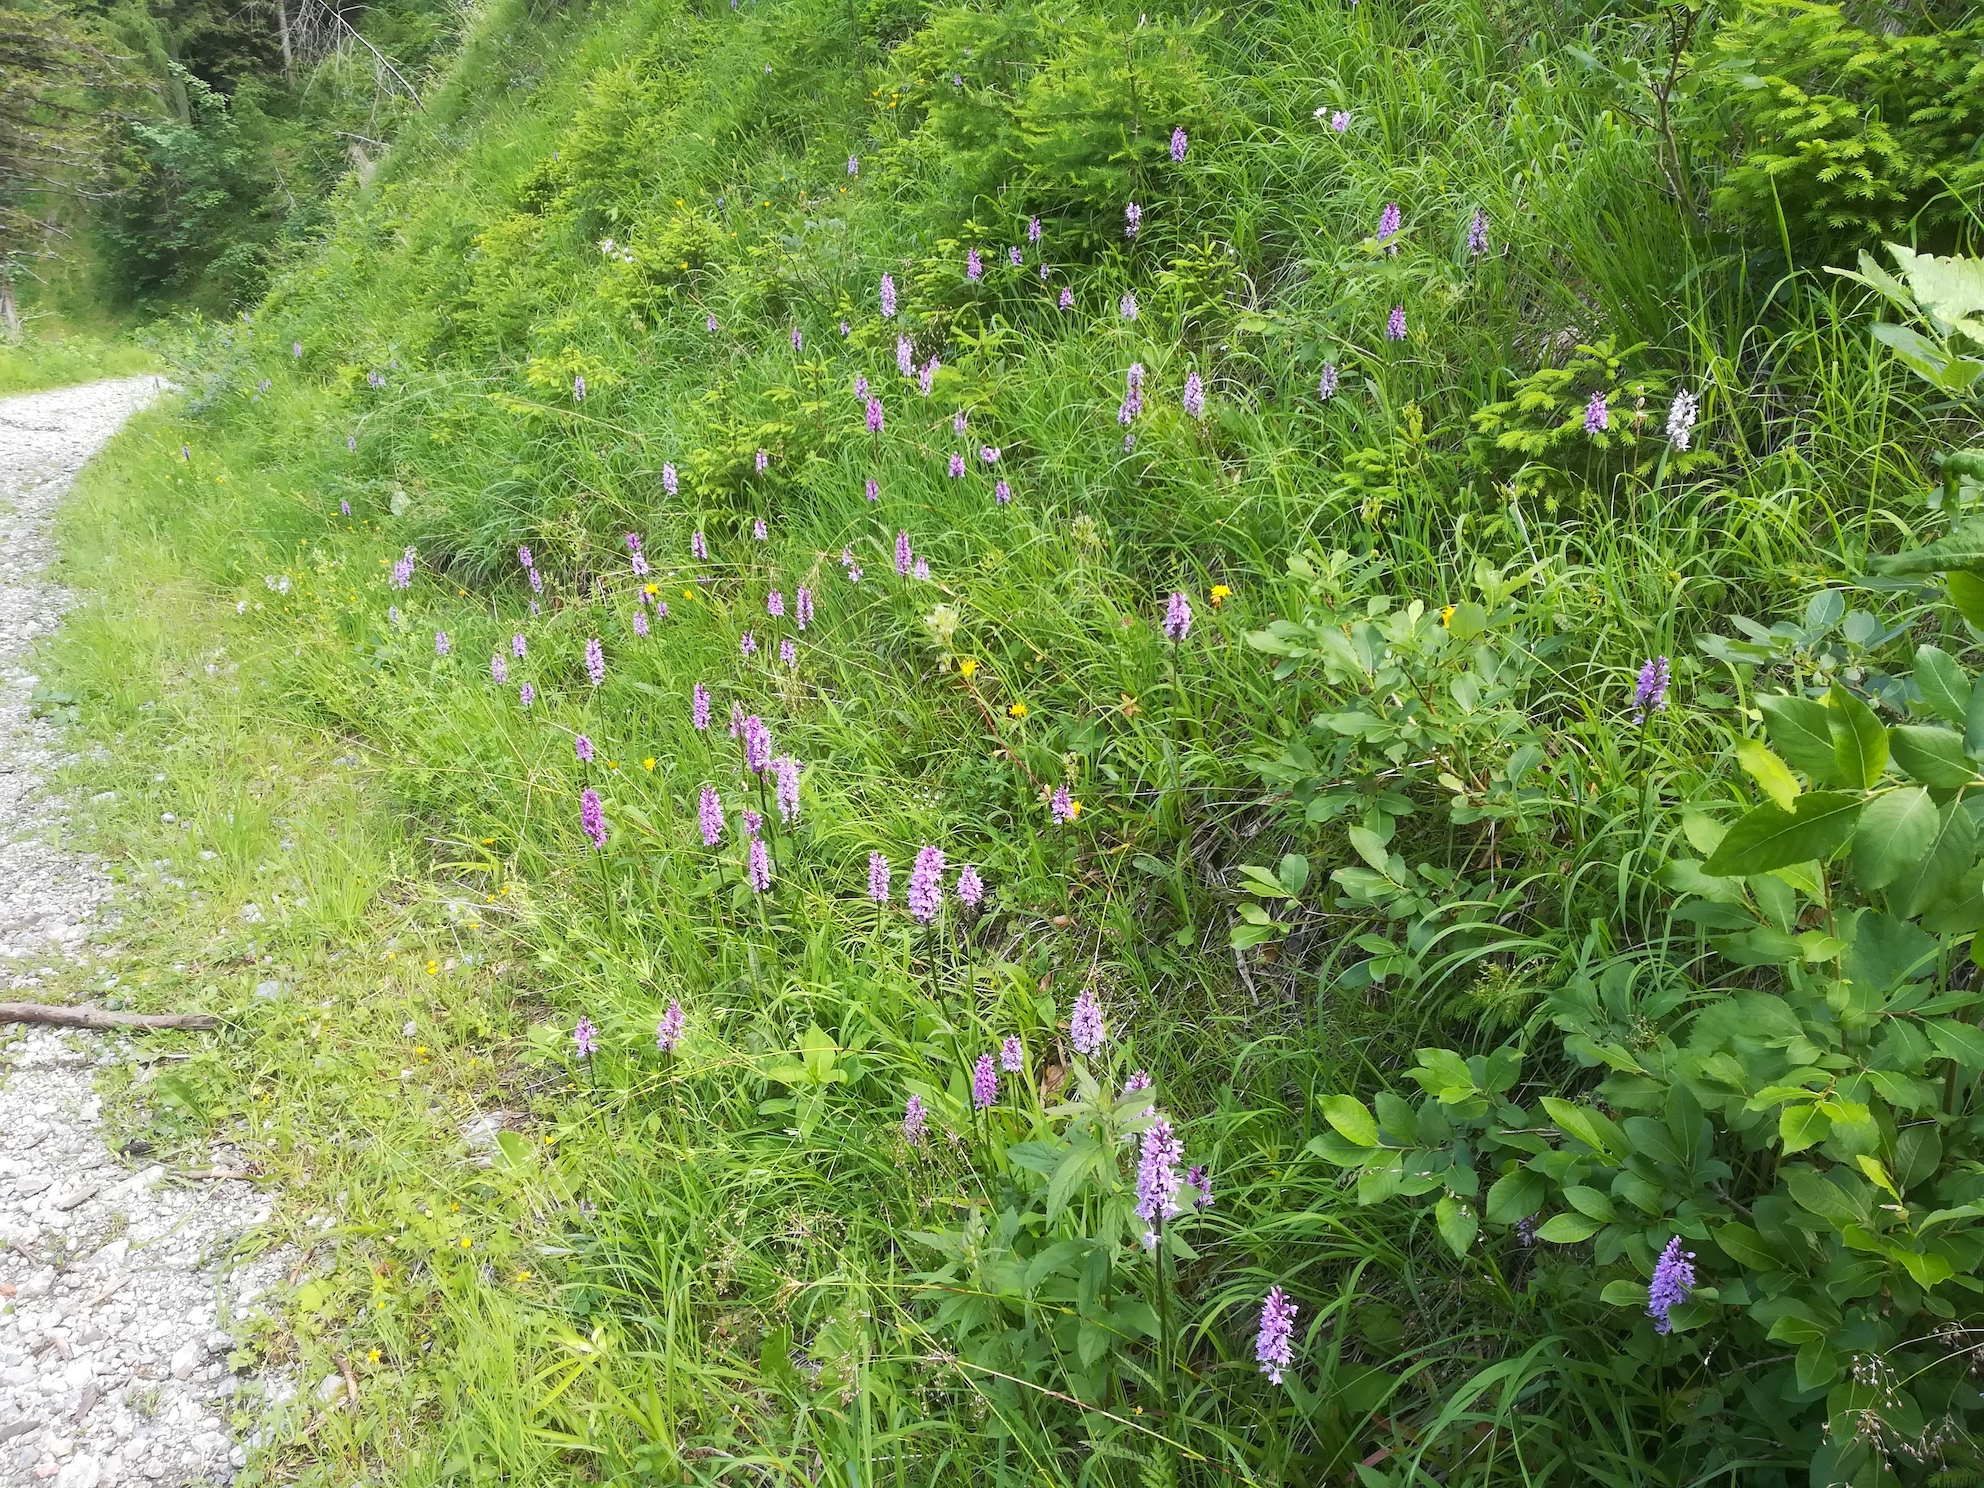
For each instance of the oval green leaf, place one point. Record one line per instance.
(1771, 837)
(1895, 830)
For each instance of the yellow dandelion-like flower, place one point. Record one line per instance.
(522, 1277)
(420, 1050)
(433, 968)
(966, 668)
(648, 763)
(373, 1357)
(1446, 614)
(1220, 595)
(1074, 809)
(466, 1242)
(1018, 710)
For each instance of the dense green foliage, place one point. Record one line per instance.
(1848, 126)
(165, 156)
(1476, 980)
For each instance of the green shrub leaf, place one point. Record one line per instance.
(1935, 875)
(1568, 1229)
(1963, 547)
(1515, 1196)
(1895, 830)
(1457, 1223)
(1944, 686)
(1746, 1247)
(1352, 1119)
(1800, 730)
(1966, 591)
(1934, 756)
(1771, 837)
(1961, 1043)
(1801, 1126)
(1772, 775)
(1859, 743)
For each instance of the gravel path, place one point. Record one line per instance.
(115, 1291)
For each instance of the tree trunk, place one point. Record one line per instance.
(282, 30)
(10, 310)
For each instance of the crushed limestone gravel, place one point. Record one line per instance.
(121, 1283)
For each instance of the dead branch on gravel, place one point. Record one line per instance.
(96, 1017)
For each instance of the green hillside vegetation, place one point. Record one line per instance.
(1362, 533)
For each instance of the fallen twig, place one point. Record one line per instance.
(350, 1384)
(87, 1016)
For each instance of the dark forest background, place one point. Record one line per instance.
(159, 154)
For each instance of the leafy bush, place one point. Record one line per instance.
(1788, 1152)
(1541, 439)
(1851, 131)
(1075, 111)
(1416, 707)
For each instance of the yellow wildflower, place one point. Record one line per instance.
(648, 763)
(1446, 614)
(1018, 710)
(966, 668)
(1220, 595)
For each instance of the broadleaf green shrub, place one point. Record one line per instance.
(1800, 1116)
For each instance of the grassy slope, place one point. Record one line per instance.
(693, 1234)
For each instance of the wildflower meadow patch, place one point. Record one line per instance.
(1316, 845)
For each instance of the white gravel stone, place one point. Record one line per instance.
(102, 1299)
